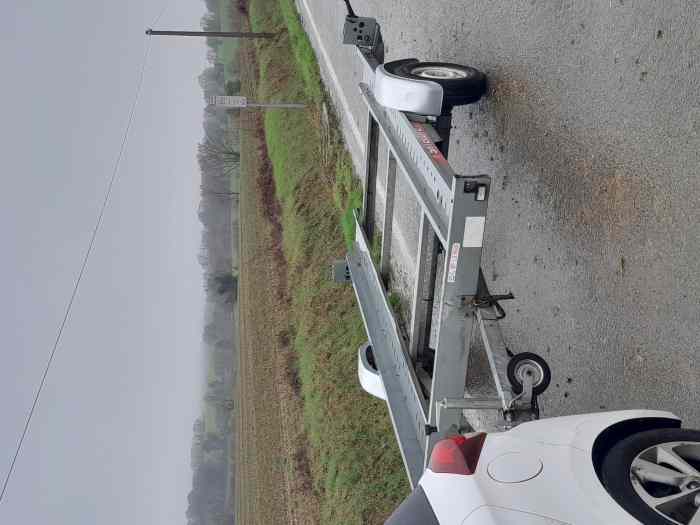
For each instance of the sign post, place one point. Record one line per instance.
(237, 102)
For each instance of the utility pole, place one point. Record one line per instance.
(223, 34)
(223, 193)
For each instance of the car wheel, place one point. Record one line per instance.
(461, 84)
(655, 476)
(531, 365)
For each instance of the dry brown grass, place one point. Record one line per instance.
(273, 475)
(347, 470)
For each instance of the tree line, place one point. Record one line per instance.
(218, 155)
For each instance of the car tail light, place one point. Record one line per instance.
(457, 454)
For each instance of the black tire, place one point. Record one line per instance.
(616, 466)
(513, 373)
(467, 89)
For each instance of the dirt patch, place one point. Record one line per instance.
(614, 205)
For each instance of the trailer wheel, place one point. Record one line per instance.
(532, 365)
(461, 84)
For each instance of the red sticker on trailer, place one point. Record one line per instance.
(452, 267)
(428, 145)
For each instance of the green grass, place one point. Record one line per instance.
(395, 302)
(303, 52)
(356, 465)
(376, 248)
(347, 196)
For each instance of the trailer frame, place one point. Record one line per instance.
(425, 388)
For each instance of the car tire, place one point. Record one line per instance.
(627, 488)
(461, 84)
(515, 368)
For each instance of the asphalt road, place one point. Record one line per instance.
(591, 132)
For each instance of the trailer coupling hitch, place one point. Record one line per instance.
(363, 32)
(492, 301)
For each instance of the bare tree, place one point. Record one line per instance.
(219, 155)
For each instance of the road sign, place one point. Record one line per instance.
(229, 101)
(242, 102)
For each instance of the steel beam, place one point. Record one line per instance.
(426, 169)
(422, 300)
(369, 199)
(210, 34)
(460, 284)
(388, 223)
(497, 353)
(407, 406)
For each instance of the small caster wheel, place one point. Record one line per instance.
(530, 365)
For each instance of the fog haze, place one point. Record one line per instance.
(110, 441)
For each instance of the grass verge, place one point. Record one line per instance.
(273, 478)
(355, 464)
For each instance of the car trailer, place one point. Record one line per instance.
(410, 104)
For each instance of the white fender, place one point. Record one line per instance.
(423, 97)
(370, 378)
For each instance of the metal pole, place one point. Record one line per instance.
(275, 105)
(223, 34)
(224, 193)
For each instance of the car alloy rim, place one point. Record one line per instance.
(439, 72)
(667, 478)
(529, 368)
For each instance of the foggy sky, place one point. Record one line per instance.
(110, 440)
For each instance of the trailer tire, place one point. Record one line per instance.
(532, 364)
(461, 84)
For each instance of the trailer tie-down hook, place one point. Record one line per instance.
(488, 301)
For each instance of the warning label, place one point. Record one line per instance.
(473, 232)
(452, 267)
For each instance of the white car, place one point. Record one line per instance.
(610, 468)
